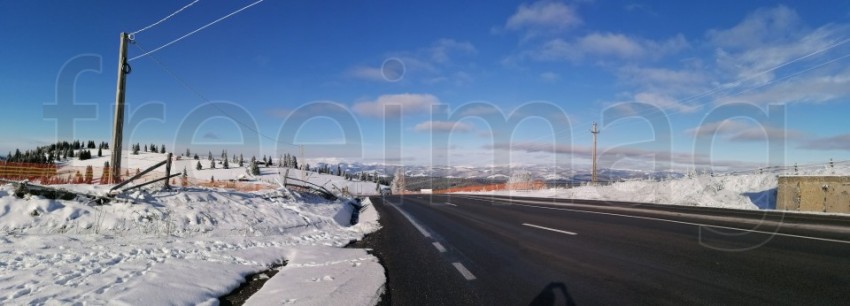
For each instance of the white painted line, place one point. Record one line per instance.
(439, 247)
(550, 229)
(447, 203)
(463, 271)
(691, 223)
(409, 218)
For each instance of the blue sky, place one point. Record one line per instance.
(675, 71)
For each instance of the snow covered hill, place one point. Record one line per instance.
(186, 246)
(751, 189)
(269, 176)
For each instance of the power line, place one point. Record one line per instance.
(195, 31)
(204, 98)
(163, 19)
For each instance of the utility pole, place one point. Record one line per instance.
(594, 131)
(303, 162)
(118, 126)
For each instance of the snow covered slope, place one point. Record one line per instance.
(752, 189)
(179, 247)
(268, 175)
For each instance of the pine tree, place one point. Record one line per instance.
(196, 156)
(188, 153)
(255, 168)
(162, 149)
(212, 164)
(198, 166)
(209, 157)
(226, 164)
(146, 148)
(99, 152)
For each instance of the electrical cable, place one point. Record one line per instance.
(163, 19)
(196, 30)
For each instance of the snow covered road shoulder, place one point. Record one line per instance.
(182, 247)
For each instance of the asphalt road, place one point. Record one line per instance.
(463, 250)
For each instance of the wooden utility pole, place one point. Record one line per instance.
(118, 125)
(594, 131)
(303, 163)
(168, 172)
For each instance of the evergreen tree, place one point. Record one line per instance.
(198, 166)
(188, 153)
(99, 152)
(196, 156)
(226, 164)
(255, 168)
(162, 149)
(212, 164)
(209, 156)
(146, 148)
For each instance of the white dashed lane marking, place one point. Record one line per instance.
(550, 229)
(463, 271)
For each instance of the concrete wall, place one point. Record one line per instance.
(814, 193)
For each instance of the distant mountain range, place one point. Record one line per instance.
(557, 175)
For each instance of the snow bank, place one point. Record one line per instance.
(180, 247)
(754, 189)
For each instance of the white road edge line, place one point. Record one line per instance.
(439, 247)
(447, 203)
(550, 229)
(463, 271)
(409, 218)
(690, 223)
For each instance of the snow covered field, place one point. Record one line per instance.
(753, 189)
(268, 175)
(183, 247)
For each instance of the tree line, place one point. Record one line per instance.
(61, 150)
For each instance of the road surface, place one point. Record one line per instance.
(476, 250)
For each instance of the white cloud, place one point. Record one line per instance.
(443, 127)
(665, 102)
(769, 40)
(409, 103)
(724, 127)
(765, 25)
(739, 130)
(480, 111)
(669, 81)
(442, 50)
(543, 16)
(834, 143)
(821, 87)
(607, 45)
(432, 64)
(366, 73)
